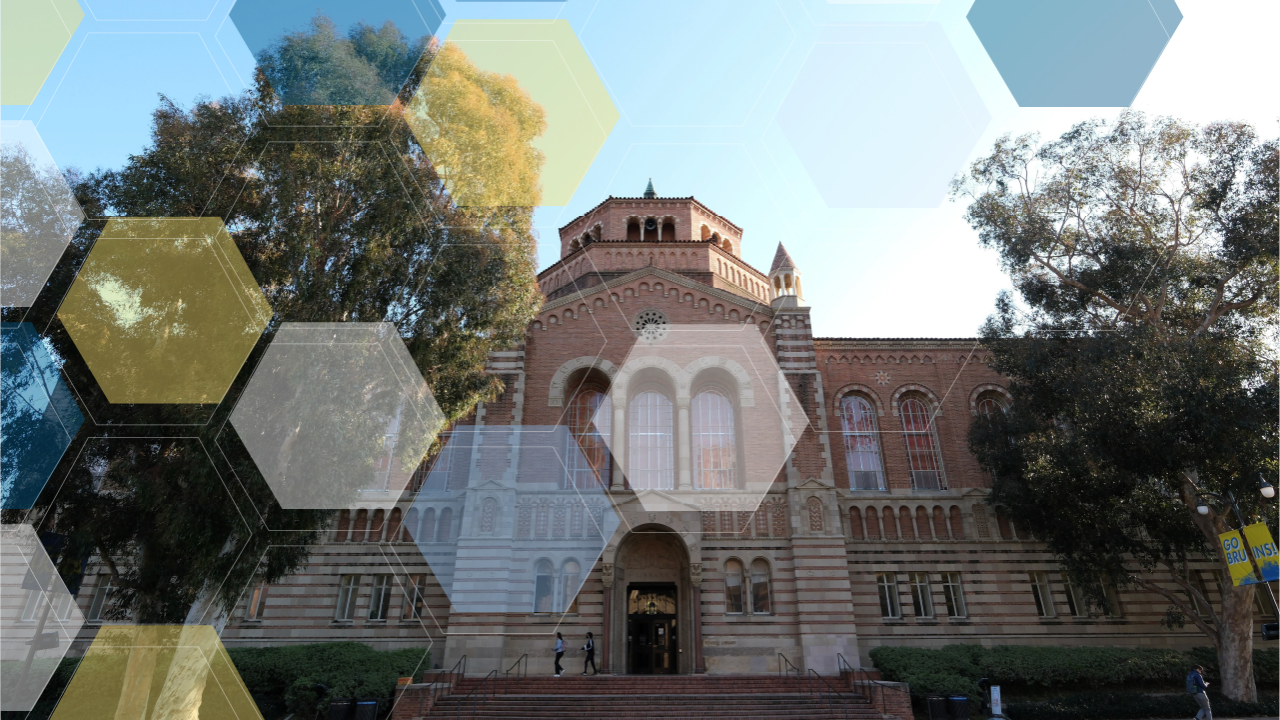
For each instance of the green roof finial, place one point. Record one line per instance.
(648, 192)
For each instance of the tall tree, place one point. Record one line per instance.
(1141, 358)
(341, 217)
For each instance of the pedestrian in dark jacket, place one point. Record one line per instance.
(1198, 689)
(590, 647)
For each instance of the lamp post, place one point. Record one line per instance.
(1268, 491)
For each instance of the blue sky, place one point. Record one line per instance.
(831, 127)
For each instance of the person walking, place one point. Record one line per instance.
(590, 647)
(1199, 690)
(559, 653)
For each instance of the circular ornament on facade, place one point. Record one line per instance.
(651, 326)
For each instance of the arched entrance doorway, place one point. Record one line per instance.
(652, 591)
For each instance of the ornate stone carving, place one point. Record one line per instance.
(606, 574)
(695, 574)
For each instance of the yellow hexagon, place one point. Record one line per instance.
(33, 34)
(550, 65)
(156, 671)
(164, 310)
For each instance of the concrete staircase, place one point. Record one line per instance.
(670, 697)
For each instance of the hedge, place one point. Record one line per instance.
(956, 668)
(282, 680)
(1131, 706)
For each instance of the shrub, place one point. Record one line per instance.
(951, 669)
(1266, 664)
(1131, 706)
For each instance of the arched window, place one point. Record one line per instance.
(344, 526)
(668, 231)
(922, 523)
(760, 587)
(706, 233)
(890, 525)
(733, 587)
(543, 588)
(362, 521)
(861, 443)
(444, 529)
(570, 577)
(922, 446)
(855, 523)
(633, 230)
(873, 524)
(393, 525)
(410, 526)
(715, 446)
(488, 516)
(957, 524)
(590, 421)
(650, 457)
(939, 523)
(990, 405)
(428, 532)
(375, 530)
(905, 528)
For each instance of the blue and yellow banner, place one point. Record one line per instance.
(1237, 558)
(1265, 553)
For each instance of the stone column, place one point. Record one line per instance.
(695, 579)
(619, 444)
(683, 465)
(606, 576)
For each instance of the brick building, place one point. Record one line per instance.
(874, 531)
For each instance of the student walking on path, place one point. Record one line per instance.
(1198, 689)
(590, 647)
(559, 653)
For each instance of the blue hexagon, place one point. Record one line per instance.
(1074, 53)
(265, 23)
(882, 116)
(39, 414)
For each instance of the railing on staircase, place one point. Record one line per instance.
(785, 667)
(521, 667)
(862, 683)
(439, 689)
(487, 687)
(835, 699)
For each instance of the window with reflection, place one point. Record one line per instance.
(760, 587)
(543, 588)
(861, 443)
(991, 405)
(651, 451)
(444, 528)
(590, 420)
(923, 458)
(570, 576)
(715, 445)
(733, 587)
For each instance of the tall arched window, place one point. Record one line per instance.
(410, 526)
(861, 443)
(760, 587)
(733, 586)
(650, 457)
(570, 577)
(923, 458)
(590, 420)
(543, 589)
(444, 529)
(715, 446)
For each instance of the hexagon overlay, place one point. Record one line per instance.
(549, 63)
(505, 523)
(156, 671)
(38, 618)
(337, 413)
(1074, 53)
(721, 376)
(883, 117)
(37, 218)
(265, 23)
(164, 310)
(39, 415)
(32, 36)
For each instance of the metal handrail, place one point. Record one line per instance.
(480, 692)
(828, 693)
(783, 662)
(459, 670)
(523, 663)
(864, 684)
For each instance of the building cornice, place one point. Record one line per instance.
(755, 306)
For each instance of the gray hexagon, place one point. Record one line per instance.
(700, 418)
(337, 413)
(882, 116)
(38, 618)
(505, 524)
(1081, 53)
(37, 218)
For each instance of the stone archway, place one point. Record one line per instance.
(653, 555)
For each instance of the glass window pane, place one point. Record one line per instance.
(887, 584)
(715, 449)
(760, 587)
(861, 443)
(923, 457)
(590, 420)
(921, 595)
(953, 591)
(543, 589)
(733, 587)
(651, 451)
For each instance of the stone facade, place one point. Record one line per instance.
(895, 551)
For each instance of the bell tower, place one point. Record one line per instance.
(784, 277)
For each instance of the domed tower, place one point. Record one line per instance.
(784, 277)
